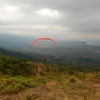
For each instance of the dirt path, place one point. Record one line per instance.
(38, 71)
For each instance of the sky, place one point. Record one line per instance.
(60, 19)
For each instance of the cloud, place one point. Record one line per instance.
(48, 12)
(66, 19)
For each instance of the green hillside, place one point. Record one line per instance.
(16, 54)
(21, 79)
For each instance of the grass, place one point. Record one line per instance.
(49, 88)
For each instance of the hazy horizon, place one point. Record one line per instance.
(9, 39)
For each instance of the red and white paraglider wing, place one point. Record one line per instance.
(41, 39)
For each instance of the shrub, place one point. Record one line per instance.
(61, 78)
(73, 79)
(89, 76)
(14, 84)
(45, 79)
(80, 75)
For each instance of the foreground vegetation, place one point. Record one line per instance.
(24, 80)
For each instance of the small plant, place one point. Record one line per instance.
(89, 76)
(73, 79)
(61, 78)
(45, 79)
(80, 75)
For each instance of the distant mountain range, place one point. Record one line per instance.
(10, 41)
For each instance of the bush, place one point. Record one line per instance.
(45, 79)
(89, 76)
(80, 75)
(61, 78)
(14, 84)
(73, 79)
(96, 78)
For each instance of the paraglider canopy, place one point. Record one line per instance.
(32, 43)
